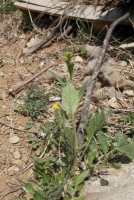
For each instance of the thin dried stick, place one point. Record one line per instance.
(91, 84)
(15, 90)
(47, 39)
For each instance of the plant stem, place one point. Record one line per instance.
(75, 146)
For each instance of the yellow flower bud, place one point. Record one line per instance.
(55, 106)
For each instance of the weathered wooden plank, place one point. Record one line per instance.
(46, 3)
(85, 13)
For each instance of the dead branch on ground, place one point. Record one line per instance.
(47, 39)
(91, 84)
(15, 90)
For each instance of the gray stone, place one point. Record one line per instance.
(16, 155)
(14, 139)
(120, 185)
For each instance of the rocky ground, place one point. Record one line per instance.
(15, 152)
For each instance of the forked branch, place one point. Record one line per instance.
(91, 84)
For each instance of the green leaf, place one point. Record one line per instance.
(115, 165)
(28, 189)
(93, 146)
(95, 124)
(29, 125)
(70, 98)
(103, 141)
(17, 198)
(79, 187)
(120, 139)
(70, 188)
(80, 178)
(38, 196)
(91, 156)
(128, 150)
(58, 78)
(35, 145)
(32, 183)
(46, 179)
(82, 90)
(79, 198)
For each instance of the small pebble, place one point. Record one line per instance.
(17, 162)
(11, 173)
(16, 155)
(13, 168)
(14, 139)
(78, 59)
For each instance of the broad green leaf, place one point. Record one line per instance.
(69, 188)
(103, 141)
(34, 184)
(80, 178)
(33, 139)
(38, 173)
(38, 196)
(128, 150)
(82, 90)
(17, 198)
(120, 139)
(93, 146)
(79, 187)
(95, 124)
(46, 179)
(115, 165)
(70, 98)
(69, 137)
(79, 198)
(35, 145)
(28, 189)
(91, 156)
(29, 125)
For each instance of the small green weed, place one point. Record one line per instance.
(128, 120)
(35, 104)
(28, 19)
(7, 6)
(56, 174)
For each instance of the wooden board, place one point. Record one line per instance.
(85, 13)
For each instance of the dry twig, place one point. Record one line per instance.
(47, 39)
(91, 84)
(15, 90)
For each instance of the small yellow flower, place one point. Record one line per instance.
(55, 106)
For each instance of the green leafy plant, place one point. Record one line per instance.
(128, 120)
(6, 6)
(56, 177)
(56, 174)
(35, 104)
